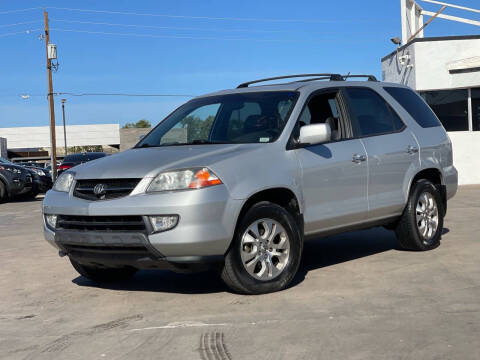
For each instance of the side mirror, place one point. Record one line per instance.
(315, 134)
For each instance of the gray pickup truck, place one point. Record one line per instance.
(239, 178)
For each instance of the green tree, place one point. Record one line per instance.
(198, 129)
(87, 148)
(142, 123)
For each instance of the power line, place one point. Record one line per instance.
(18, 10)
(207, 38)
(168, 27)
(206, 17)
(20, 23)
(177, 27)
(28, 31)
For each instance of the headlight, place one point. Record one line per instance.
(11, 169)
(38, 171)
(51, 221)
(64, 182)
(194, 178)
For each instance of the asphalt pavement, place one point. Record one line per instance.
(357, 296)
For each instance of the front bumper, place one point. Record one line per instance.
(21, 185)
(42, 184)
(207, 219)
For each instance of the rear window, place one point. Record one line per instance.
(415, 106)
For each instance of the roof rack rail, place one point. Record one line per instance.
(332, 77)
(369, 77)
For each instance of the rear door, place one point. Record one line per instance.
(334, 174)
(392, 150)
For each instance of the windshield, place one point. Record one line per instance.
(257, 117)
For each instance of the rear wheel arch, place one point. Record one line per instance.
(433, 175)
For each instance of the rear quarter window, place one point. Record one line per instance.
(415, 106)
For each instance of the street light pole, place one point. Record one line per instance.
(64, 127)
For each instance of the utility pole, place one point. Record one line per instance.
(53, 142)
(64, 127)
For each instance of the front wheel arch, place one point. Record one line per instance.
(281, 196)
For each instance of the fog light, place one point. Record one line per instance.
(162, 223)
(51, 221)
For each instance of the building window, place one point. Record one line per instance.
(476, 109)
(451, 107)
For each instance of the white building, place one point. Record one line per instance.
(77, 135)
(446, 72)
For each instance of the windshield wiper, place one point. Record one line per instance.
(145, 145)
(205, 142)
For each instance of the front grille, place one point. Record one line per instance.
(101, 223)
(104, 189)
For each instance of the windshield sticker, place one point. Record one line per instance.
(264, 139)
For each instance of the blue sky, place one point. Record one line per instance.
(185, 50)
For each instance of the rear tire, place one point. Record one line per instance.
(420, 227)
(265, 252)
(98, 274)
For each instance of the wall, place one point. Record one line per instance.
(77, 135)
(393, 71)
(432, 59)
(466, 148)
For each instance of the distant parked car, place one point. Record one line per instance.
(42, 180)
(77, 159)
(14, 180)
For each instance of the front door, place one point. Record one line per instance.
(334, 174)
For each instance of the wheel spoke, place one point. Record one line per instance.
(247, 256)
(248, 239)
(282, 244)
(251, 265)
(262, 271)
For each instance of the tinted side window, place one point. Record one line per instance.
(414, 105)
(372, 114)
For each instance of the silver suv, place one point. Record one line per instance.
(239, 178)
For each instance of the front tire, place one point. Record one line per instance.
(98, 274)
(265, 252)
(420, 227)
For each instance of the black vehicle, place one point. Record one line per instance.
(14, 180)
(77, 159)
(42, 180)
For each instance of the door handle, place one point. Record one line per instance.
(412, 149)
(357, 158)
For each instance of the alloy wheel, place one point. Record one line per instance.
(427, 216)
(265, 249)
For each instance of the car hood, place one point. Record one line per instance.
(148, 162)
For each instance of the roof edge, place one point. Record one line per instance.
(435, 38)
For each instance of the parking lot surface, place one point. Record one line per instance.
(356, 297)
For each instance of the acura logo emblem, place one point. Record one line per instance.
(99, 190)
